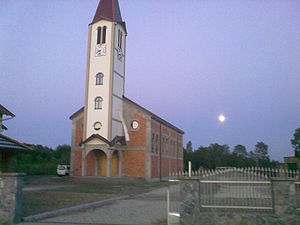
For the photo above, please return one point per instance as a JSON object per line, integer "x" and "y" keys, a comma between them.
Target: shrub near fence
{"x": 37, "y": 169}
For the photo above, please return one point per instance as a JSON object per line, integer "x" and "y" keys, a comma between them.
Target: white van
{"x": 63, "y": 170}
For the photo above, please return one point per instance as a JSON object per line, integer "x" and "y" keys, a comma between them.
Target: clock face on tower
{"x": 100, "y": 50}
{"x": 97, "y": 125}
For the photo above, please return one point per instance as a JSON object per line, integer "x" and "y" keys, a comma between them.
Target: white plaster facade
{"x": 112, "y": 89}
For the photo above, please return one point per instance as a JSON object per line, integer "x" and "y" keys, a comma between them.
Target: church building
{"x": 112, "y": 135}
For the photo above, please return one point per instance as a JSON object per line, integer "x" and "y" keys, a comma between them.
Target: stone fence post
{"x": 10, "y": 197}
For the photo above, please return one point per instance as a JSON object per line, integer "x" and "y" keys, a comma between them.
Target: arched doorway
{"x": 114, "y": 165}
{"x": 96, "y": 163}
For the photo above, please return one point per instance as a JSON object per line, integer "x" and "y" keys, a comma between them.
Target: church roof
{"x": 78, "y": 112}
{"x": 117, "y": 139}
{"x": 108, "y": 10}
{"x": 154, "y": 116}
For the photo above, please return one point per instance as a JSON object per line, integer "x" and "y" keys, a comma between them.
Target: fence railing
{"x": 231, "y": 189}
{"x": 251, "y": 171}
{"x": 233, "y": 194}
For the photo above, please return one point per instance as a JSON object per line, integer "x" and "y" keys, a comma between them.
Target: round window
{"x": 134, "y": 124}
{"x": 97, "y": 125}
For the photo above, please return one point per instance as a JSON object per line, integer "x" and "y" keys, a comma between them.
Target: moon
{"x": 222, "y": 118}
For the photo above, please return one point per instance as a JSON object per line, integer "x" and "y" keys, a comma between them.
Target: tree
{"x": 189, "y": 147}
{"x": 62, "y": 154}
{"x": 261, "y": 154}
{"x": 187, "y": 154}
{"x": 240, "y": 150}
{"x": 239, "y": 156}
{"x": 296, "y": 142}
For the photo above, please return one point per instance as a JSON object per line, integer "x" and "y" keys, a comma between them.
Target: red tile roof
{"x": 109, "y": 10}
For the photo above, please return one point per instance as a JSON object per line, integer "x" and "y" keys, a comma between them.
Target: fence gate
{"x": 236, "y": 190}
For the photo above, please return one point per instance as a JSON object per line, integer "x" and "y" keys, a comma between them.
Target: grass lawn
{"x": 78, "y": 191}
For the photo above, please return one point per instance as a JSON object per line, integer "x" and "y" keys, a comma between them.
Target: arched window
{"x": 104, "y": 35}
{"x": 99, "y": 79}
{"x": 98, "y": 35}
{"x": 98, "y": 102}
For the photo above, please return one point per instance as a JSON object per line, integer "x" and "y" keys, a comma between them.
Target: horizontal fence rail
{"x": 253, "y": 172}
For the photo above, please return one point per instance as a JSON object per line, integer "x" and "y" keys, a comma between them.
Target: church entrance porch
{"x": 104, "y": 162}
{"x": 96, "y": 163}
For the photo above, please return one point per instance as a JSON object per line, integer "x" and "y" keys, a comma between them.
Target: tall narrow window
{"x": 98, "y": 35}
{"x": 99, "y": 79}
{"x": 104, "y": 35}
{"x": 121, "y": 40}
{"x": 98, "y": 102}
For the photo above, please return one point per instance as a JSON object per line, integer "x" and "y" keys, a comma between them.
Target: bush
{"x": 41, "y": 160}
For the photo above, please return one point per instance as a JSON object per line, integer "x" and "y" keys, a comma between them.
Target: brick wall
{"x": 180, "y": 164}
{"x": 154, "y": 166}
{"x": 133, "y": 163}
{"x": 171, "y": 150}
{"x": 77, "y": 162}
{"x": 90, "y": 164}
{"x": 79, "y": 131}
{"x": 138, "y": 137}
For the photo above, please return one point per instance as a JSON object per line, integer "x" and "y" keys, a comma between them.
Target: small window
{"x": 152, "y": 142}
{"x": 104, "y": 35}
{"x": 98, "y": 103}
{"x": 157, "y": 144}
{"x": 119, "y": 39}
{"x": 98, "y": 35}
{"x": 99, "y": 79}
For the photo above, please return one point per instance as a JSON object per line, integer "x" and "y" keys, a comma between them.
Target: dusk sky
{"x": 187, "y": 61}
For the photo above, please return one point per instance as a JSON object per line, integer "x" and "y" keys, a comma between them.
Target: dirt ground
{"x": 46, "y": 193}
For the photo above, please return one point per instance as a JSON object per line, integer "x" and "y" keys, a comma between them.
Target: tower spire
{"x": 108, "y": 10}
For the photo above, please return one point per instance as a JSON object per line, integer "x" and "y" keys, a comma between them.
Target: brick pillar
{"x": 120, "y": 163}
{"x": 10, "y": 197}
{"x": 83, "y": 165}
{"x": 108, "y": 165}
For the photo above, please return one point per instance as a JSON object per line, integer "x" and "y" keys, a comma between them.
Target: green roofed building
{"x": 8, "y": 146}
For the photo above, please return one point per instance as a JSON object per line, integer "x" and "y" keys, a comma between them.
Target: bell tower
{"x": 105, "y": 72}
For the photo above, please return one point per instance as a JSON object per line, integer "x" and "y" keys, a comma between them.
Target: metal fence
{"x": 174, "y": 201}
{"x": 255, "y": 171}
{"x": 233, "y": 194}
{"x": 229, "y": 189}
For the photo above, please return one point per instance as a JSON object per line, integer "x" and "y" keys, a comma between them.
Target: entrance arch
{"x": 96, "y": 163}
{"x": 114, "y": 165}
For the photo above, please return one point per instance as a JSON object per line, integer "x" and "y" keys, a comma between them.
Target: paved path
{"x": 146, "y": 208}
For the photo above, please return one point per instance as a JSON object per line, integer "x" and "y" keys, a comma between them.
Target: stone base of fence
{"x": 10, "y": 197}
